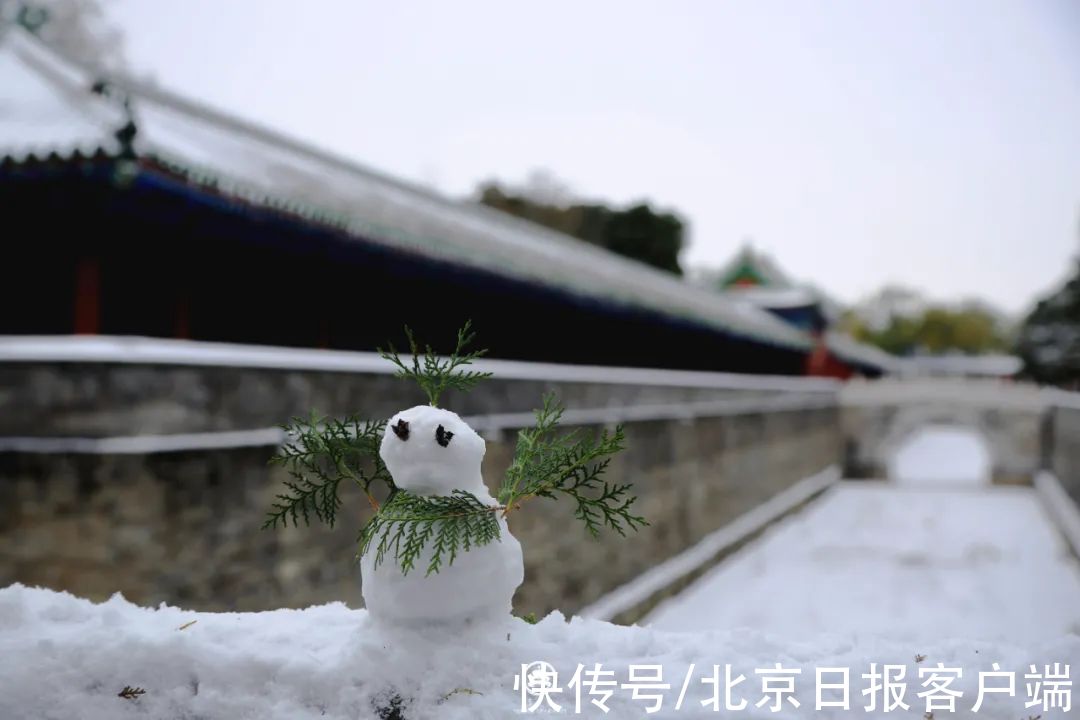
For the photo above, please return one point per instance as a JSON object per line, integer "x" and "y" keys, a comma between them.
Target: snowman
{"x": 430, "y": 451}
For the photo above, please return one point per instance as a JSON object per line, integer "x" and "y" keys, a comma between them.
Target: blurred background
{"x": 783, "y": 243}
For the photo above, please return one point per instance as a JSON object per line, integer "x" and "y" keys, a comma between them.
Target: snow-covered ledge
{"x": 1060, "y": 507}
{"x": 135, "y": 350}
{"x": 63, "y": 657}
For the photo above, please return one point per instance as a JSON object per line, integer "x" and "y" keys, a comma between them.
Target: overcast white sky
{"x": 934, "y": 144}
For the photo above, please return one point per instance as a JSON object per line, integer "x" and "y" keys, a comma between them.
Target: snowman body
{"x": 431, "y": 451}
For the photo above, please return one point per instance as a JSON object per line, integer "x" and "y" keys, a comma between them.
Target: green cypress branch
{"x": 546, "y": 465}
{"x": 321, "y": 454}
{"x": 434, "y": 375}
{"x": 407, "y": 523}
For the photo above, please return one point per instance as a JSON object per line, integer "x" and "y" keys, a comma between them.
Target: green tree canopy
{"x": 1049, "y": 338}
{"x": 639, "y": 232}
{"x": 969, "y": 329}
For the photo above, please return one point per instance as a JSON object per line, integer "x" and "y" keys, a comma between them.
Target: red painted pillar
{"x": 323, "y": 340}
{"x": 182, "y": 317}
{"x": 88, "y": 296}
{"x": 817, "y": 362}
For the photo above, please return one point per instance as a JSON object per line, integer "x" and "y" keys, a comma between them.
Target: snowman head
{"x": 431, "y": 451}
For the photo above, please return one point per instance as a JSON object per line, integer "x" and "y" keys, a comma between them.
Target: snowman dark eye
{"x": 401, "y": 429}
{"x": 443, "y": 436}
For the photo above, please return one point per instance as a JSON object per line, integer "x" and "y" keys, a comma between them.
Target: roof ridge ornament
{"x": 31, "y": 16}
{"x": 126, "y": 133}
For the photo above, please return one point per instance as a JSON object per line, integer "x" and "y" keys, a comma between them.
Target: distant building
{"x": 755, "y": 279}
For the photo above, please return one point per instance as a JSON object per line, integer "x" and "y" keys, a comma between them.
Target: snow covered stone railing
{"x": 490, "y": 426}
{"x": 150, "y": 395}
{"x": 62, "y": 657}
{"x": 1060, "y": 507}
{"x": 316, "y": 568}
{"x": 128, "y": 350}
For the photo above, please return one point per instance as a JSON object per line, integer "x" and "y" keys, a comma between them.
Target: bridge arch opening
{"x": 939, "y": 453}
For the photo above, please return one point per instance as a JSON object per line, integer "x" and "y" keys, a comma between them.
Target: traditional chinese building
{"x": 129, "y": 210}
{"x": 754, "y": 278}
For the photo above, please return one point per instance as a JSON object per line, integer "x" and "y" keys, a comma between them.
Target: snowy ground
{"x": 911, "y": 575}
{"x": 933, "y": 555}
{"x": 63, "y": 658}
{"x": 872, "y": 559}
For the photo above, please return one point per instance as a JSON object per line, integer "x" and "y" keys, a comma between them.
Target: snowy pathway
{"x": 921, "y": 561}
{"x": 886, "y": 560}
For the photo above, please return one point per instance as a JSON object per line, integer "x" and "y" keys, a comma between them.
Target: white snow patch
{"x": 942, "y": 454}
{"x": 704, "y": 552}
{"x": 873, "y": 559}
{"x": 62, "y": 657}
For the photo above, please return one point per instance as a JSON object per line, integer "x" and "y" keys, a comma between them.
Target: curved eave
{"x": 48, "y": 107}
{"x": 44, "y": 161}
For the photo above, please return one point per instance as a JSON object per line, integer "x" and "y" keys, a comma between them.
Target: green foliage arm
{"x": 572, "y": 464}
{"x": 433, "y": 374}
{"x": 320, "y": 454}
{"x": 408, "y": 523}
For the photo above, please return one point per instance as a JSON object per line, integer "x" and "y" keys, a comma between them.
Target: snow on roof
{"x": 774, "y": 297}
{"x": 46, "y": 106}
{"x": 245, "y": 160}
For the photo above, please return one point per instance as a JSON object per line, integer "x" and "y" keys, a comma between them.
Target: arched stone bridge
{"x": 878, "y": 417}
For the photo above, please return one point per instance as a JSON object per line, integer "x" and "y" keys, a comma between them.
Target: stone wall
{"x": 1062, "y": 434}
{"x": 99, "y": 399}
{"x": 183, "y": 527}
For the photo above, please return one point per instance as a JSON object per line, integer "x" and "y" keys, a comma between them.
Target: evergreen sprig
{"x": 434, "y": 374}
{"x": 408, "y": 523}
{"x": 546, "y": 464}
{"x": 321, "y": 453}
